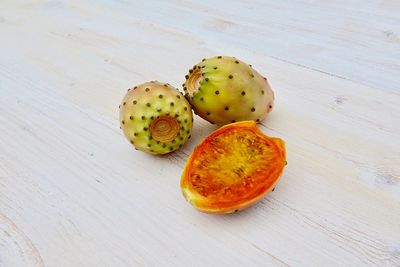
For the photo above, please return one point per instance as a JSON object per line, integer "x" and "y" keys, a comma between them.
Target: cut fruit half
{"x": 232, "y": 168}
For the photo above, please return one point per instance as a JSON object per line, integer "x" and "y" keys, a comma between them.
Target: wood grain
{"x": 74, "y": 193}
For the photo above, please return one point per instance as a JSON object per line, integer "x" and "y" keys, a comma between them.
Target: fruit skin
{"x": 224, "y": 90}
{"x": 233, "y": 168}
{"x": 155, "y": 117}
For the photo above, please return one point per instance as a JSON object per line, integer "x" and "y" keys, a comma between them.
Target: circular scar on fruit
{"x": 164, "y": 128}
{"x": 193, "y": 82}
{"x": 232, "y": 168}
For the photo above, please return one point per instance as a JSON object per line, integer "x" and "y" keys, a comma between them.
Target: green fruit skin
{"x": 230, "y": 91}
{"x": 146, "y": 102}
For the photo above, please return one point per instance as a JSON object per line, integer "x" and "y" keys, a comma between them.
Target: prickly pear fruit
{"x": 232, "y": 168}
{"x": 155, "y": 117}
{"x": 224, "y": 89}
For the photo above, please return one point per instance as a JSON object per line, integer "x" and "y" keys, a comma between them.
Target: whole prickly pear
{"x": 155, "y": 117}
{"x": 224, "y": 89}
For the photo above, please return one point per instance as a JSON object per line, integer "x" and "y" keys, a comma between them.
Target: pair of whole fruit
{"x": 234, "y": 166}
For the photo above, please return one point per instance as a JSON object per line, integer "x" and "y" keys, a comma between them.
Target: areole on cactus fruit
{"x": 155, "y": 117}
{"x": 224, "y": 90}
{"x": 232, "y": 168}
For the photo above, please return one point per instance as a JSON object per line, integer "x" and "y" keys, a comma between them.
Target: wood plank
{"x": 74, "y": 193}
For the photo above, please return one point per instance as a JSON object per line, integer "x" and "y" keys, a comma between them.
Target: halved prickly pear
{"x": 224, "y": 89}
{"x": 155, "y": 117}
{"x": 232, "y": 168}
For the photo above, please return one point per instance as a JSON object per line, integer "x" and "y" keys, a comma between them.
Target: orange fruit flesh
{"x": 232, "y": 168}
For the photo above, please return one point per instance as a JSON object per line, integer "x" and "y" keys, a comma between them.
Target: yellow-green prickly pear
{"x": 155, "y": 117}
{"x": 224, "y": 89}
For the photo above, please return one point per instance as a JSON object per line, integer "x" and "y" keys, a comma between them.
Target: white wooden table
{"x": 73, "y": 192}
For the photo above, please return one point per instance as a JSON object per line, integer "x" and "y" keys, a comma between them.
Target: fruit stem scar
{"x": 193, "y": 81}
{"x": 164, "y": 128}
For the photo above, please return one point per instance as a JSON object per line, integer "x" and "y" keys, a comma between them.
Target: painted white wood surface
{"x": 74, "y": 193}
